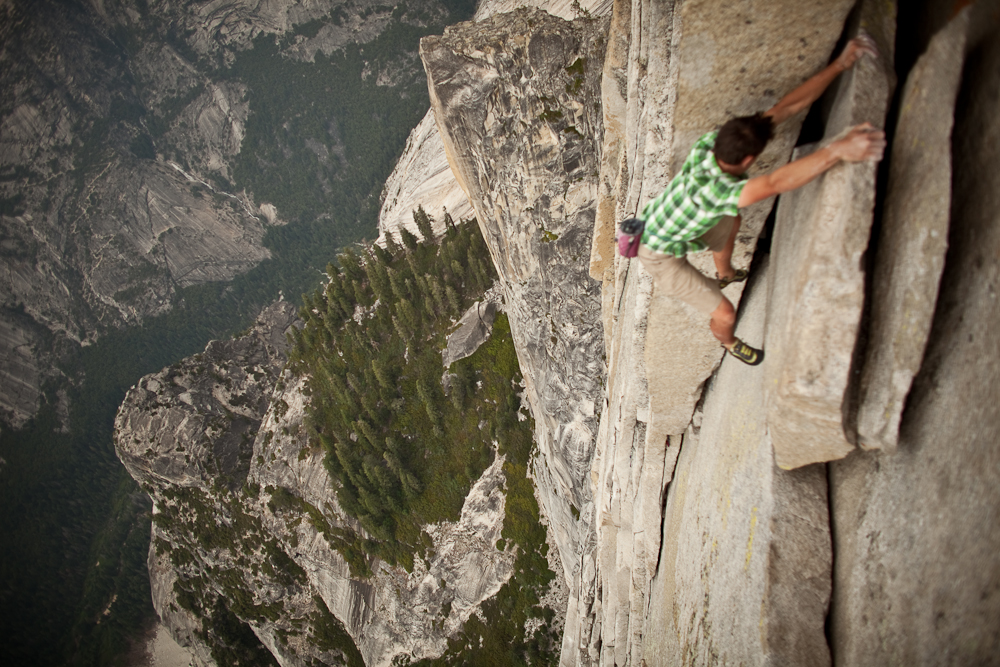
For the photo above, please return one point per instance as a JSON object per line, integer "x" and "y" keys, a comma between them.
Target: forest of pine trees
{"x": 402, "y": 453}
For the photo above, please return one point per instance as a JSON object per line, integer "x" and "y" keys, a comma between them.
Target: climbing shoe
{"x": 748, "y": 355}
{"x": 741, "y": 275}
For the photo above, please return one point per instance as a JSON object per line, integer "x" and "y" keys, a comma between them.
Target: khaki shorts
{"x": 677, "y": 278}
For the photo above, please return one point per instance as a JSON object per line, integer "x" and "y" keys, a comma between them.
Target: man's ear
{"x": 747, "y": 161}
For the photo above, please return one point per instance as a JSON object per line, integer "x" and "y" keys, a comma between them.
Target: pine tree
{"x": 351, "y": 265}
{"x": 457, "y": 269}
{"x": 390, "y": 245}
{"x": 382, "y": 254}
{"x": 456, "y": 306}
{"x": 409, "y": 240}
{"x": 382, "y": 374}
{"x": 397, "y": 284}
{"x": 378, "y": 279}
{"x": 401, "y": 330}
{"x": 424, "y": 224}
{"x": 407, "y": 317}
{"x": 437, "y": 293}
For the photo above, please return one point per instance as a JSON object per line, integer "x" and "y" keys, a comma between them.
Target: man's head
{"x": 741, "y": 140}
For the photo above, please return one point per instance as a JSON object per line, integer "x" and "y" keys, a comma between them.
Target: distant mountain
{"x": 166, "y": 170}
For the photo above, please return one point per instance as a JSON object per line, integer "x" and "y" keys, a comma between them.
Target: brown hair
{"x": 740, "y": 137}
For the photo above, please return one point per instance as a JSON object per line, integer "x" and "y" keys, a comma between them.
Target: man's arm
{"x": 863, "y": 142}
{"x": 809, "y": 92}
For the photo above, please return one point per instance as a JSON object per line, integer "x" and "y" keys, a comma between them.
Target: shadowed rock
{"x": 914, "y": 237}
{"x": 917, "y": 578}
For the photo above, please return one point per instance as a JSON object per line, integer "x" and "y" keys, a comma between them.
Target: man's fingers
{"x": 858, "y": 47}
{"x": 866, "y": 143}
{"x": 867, "y": 45}
{"x": 876, "y": 145}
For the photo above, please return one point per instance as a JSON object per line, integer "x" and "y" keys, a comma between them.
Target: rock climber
{"x": 700, "y": 208}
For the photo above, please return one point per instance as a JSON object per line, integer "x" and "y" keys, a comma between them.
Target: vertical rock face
{"x": 916, "y": 531}
{"x": 515, "y": 98}
{"x": 914, "y": 236}
{"x": 744, "y": 572}
{"x": 679, "y": 70}
{"x": 817, "y": 297}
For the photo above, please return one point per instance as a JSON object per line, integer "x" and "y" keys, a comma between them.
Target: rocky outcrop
{"x": 913, "y": 237}
{"x": 513, "y": 96}
{"x": 245, "y": 511}
{"x": 422, "y": 176}
{"x": 565, "y": 9}
{"x": 472, "y": 330}
{"x": 821, "y": 233}
{"x": 421, "y": 179}
{"x": 185, "y": 434}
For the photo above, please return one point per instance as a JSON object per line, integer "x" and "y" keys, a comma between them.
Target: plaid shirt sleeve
{"x": 694, "y": 202}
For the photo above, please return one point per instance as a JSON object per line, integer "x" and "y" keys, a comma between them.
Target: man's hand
{"x": 863, "y": 142}
{"x": 856, "y": 48}
{"x": 809, "y": 92}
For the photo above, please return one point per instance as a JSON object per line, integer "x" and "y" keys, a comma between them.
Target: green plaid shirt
{"x": 694, "y": 202}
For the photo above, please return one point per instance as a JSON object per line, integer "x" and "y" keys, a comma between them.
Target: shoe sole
{"x": 740, "y": 276}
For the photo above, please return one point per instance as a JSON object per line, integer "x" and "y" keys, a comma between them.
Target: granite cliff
{"x": 833, "y": 506}
{"x": 211, "y": 439}
{"x": 750, "y": 515}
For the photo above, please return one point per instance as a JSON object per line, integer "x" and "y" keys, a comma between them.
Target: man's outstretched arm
{"x": 809, "y": 92}
{"x": 863, "y": 142}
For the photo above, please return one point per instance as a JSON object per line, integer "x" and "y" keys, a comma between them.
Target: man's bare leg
{"x": 723, "y": 322}
{"x": 724, "y": 258}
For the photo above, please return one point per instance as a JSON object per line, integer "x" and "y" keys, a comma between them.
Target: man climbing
{"x": 700, "y": 208}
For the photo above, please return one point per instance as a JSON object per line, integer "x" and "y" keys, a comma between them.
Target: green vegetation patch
{"x": 497, "y": 635}
{"x": 404, "y": 453}
{"x": 401, "y": 451}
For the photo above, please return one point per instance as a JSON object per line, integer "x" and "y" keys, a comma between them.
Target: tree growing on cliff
{"x": 401, "y": 454}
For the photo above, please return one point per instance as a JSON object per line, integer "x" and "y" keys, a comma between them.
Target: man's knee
{"x": 724, "y": 314}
